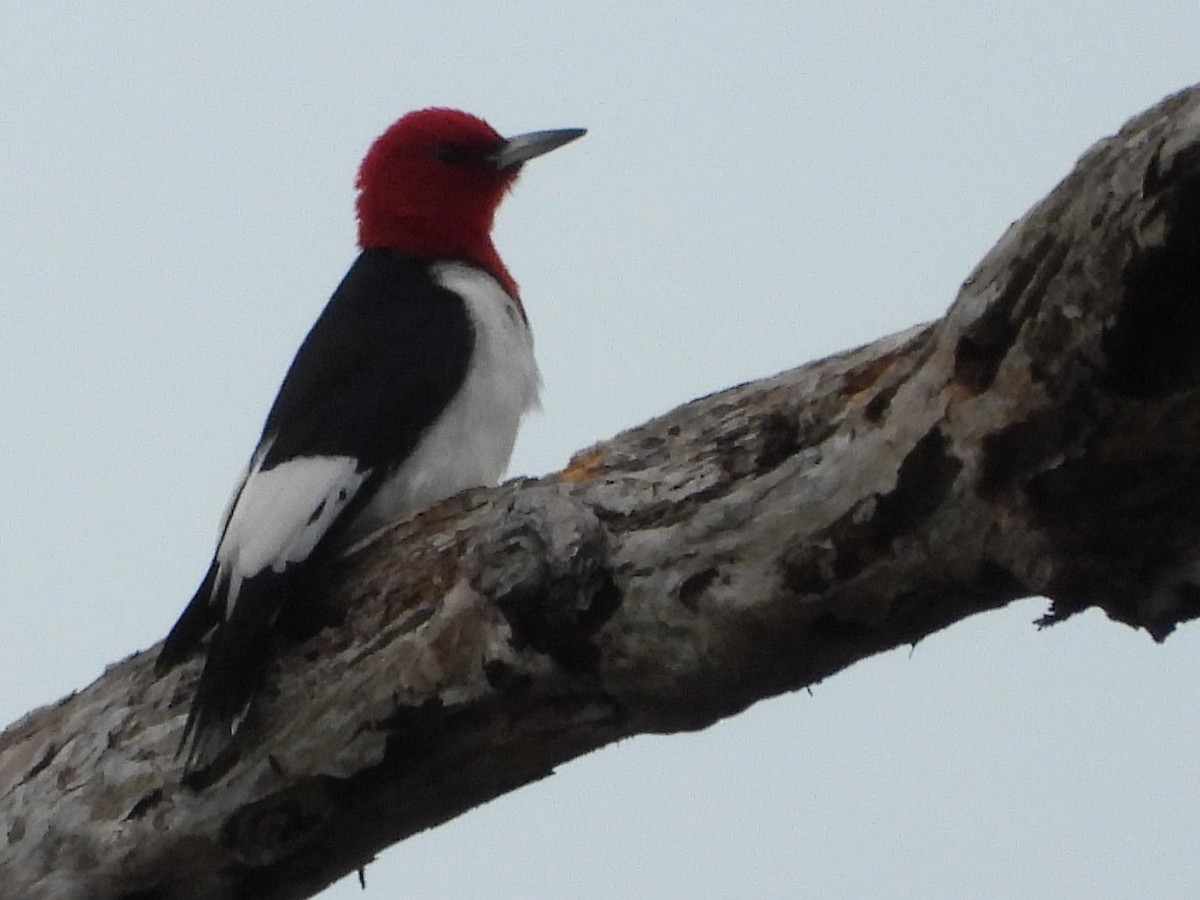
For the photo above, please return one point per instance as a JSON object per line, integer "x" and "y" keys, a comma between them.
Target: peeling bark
{"x": 1042, "y": 438}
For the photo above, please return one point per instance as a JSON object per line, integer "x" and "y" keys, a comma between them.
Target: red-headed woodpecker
{"x": 409, "y": 388}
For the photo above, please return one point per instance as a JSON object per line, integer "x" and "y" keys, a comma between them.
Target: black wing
{"x": 385, "y": 357}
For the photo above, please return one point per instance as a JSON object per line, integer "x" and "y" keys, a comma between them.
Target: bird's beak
{"x": 524, "y": 147}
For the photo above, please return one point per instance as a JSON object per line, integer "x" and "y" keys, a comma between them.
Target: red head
{"x": 430, "y": 186}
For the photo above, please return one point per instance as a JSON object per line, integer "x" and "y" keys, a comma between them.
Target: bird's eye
{"x": 456, "y": 154}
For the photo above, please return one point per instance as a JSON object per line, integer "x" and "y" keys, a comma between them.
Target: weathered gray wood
{"x": 1042, "y": 438}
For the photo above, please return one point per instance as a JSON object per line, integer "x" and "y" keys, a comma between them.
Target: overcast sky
{"x": 762, "y": 185}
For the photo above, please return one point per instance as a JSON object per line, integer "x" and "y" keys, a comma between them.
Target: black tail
{"x": 233, "y": 672}
{"x": 235, "y": 662}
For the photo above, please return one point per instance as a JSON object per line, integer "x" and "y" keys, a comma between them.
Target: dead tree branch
{"x": 1042, "y": 438}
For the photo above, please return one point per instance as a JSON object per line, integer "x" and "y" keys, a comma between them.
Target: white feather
{"x": 279, "y": 515}
{"x": 471, "y": 442}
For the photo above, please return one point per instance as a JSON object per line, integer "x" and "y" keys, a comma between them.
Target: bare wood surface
{"x": 1042, "y": 438}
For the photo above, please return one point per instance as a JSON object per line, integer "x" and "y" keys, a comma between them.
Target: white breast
{"x": 471, "y": 442}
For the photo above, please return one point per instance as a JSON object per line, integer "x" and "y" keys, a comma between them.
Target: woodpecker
{"x": 408, "y": 388}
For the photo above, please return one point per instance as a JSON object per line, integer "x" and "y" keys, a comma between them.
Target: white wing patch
{"x": 279, "y": 515}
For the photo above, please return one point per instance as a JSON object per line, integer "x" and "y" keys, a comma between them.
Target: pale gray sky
{"x": 762, "y": 185}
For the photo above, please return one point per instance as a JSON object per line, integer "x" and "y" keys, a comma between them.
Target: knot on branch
{"x": 545, "y": 565}
{"x": 261, "y": 833}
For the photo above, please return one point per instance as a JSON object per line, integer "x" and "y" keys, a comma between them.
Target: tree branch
{"x": 1042, "y": 438}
